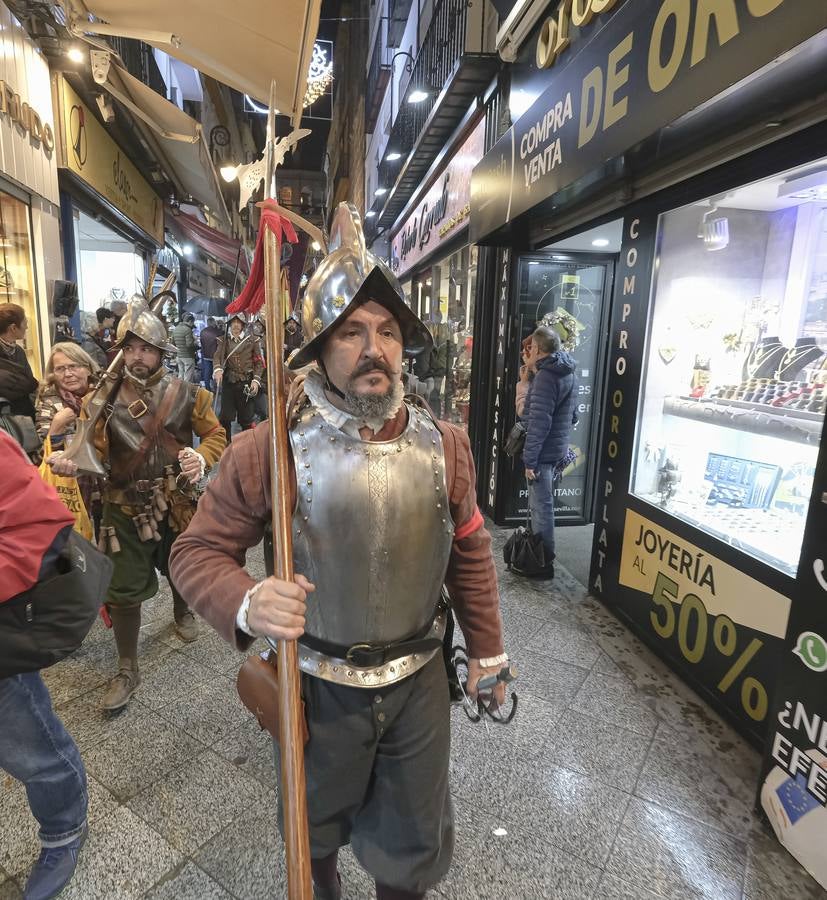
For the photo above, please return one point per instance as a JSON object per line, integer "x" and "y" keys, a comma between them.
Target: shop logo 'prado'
{"x": 77, "y": 133}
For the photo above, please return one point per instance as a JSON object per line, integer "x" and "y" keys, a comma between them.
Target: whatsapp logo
{"x": 811, "y": 649}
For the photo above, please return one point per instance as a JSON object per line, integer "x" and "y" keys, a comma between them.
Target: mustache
{"x": 373, "y": 365}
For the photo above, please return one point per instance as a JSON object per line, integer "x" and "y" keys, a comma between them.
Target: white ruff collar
{"x": 340, "y": 418}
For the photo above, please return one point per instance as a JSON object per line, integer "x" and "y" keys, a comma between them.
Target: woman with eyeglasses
{"x": 70, "y": 375}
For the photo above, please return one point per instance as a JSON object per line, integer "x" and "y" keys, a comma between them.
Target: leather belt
{"x": 366, "y": 655}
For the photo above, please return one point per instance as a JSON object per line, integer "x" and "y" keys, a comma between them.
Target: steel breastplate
{"x": 126, "y": 435}
{"x": 372, "y": 530}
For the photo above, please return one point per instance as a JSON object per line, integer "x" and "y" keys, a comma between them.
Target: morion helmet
{"x": 347, "y": 277}
{"x": 139, "y": 320}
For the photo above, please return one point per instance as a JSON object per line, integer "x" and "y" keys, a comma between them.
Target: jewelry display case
{"x": 735, "y": 372}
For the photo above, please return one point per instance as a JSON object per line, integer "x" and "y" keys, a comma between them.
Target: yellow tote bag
{"x": 68, "y": 491}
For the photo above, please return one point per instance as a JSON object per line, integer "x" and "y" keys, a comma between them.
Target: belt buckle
{"x": 140, "y": 408}
{"x": 361, "y": 648}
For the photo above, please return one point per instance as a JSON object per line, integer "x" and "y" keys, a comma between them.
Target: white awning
{"x": 244, "y": 43}
{"x": 179, "y": 137}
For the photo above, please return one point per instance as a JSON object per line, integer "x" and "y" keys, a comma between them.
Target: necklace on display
{"x": 795, "y": 359}
{"x": 759, "y": 357}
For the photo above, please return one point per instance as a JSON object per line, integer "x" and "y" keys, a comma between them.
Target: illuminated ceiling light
{"x": 370, "y": 214}
{"x": 380, "y": 192}
{"x": 418, "y": 96}
{"x": 393, "y": 156}
{"x": 534, "y": 262}
{"x": 187, "y": 249}
{"x": 76, "y": 54}
{"x": 600, "y": 242}
{"x": 229, "y": 173}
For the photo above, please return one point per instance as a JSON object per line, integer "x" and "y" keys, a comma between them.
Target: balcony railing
{"x": 398, "y": 11}
{"x": 139, "y": 61}
{"x": 445, "y": 42}
{"x": 377, "y": 81}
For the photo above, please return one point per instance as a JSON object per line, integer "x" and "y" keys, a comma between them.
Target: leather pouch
{"x": 257, "y": 686}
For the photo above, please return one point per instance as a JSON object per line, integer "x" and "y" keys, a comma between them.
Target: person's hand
{"x": 524, "y": 373}
{"x": 217, "y": 376}
{"x": 190, "y": 462}
{"x": 61, "y": 466}
{"x": 530, "y": 474}
{"x": 277, "y": 608}
{"x": 61, "y": 420}
{"x": 475, "y": 672}
{"x": 253, "y": 389}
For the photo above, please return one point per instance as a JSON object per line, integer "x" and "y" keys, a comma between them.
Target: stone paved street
{"x": 614, "y": 781}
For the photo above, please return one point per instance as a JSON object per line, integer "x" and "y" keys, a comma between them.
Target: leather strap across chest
{"x": 151, "y": 422}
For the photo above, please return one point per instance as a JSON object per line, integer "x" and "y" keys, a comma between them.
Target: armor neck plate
{"x": 372, "y": 530}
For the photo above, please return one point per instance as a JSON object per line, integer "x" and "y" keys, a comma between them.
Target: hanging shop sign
{"x": 647, "y": 66}
{"x": 90, "y": 153}
{"x": 444, "y": 209}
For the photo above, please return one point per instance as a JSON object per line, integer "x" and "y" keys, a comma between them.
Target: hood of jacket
{"x": 561, "y": 363}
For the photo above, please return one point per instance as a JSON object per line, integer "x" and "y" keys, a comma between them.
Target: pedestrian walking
{"x": 183, "y": 337}
{"x": 17, "y": 382}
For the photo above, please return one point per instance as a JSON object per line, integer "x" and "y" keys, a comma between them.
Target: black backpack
{"x": 48, "y": 622}
{"x": 20, "y": 429}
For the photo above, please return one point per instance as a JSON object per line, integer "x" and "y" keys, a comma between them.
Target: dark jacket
{"x": 549, "y": 410}
{"x": 17, "y": 383}
{"x": 209, "y": 339}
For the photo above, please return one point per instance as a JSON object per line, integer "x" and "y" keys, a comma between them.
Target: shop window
{"x": 735, "y": 376}
{"x": 16, "y": 275}
{"x": 443, "y": 297}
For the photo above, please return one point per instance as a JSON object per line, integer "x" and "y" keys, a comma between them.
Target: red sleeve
{"x": 471, "y": 578}
{"x": 31, "y": 515}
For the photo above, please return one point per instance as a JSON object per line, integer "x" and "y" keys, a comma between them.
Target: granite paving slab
{"x": 188, "y": 883}
{"x": 569, "y": 643}
{"x": 616, "y": 701}
{"x": 250, "y": 749}
{"x": 209, "y": 711}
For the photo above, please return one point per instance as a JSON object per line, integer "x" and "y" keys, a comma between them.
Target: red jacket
{"x": 31, "y": 515}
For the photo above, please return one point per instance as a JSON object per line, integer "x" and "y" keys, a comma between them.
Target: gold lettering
{"x": 48, "y": 138}
{"x": 615, "y": 429}
{"x": 760, "y": 8}
{"x": 726, "y": 25}
{"x": 582, "y": 12}
{"x": 661, "y": 76}
{"x": 592, "y": 86}
{"x": 545, "y": 44}
{"x": 563, "y": 39}
{"x": 629, "y": 284}
{"x": 601, "y": 6}
{"x": 615, "y": 79}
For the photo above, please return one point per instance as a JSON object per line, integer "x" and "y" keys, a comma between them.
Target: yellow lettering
{"x": 760, "y": 8}
{"x": 546, "y": 43}
{"x": 615, "y": 425}
{"x": 581, "y": 12}
{"x": 661, "y": 76}
{"x": 726, "y": 24}
{"x": 614, "y": 111}
{"x": 592, "y": 87}
{"x": 601, "y": 6}
{"x": 563, "y": 39}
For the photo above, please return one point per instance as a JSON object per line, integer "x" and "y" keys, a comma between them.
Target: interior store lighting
{"x": 75, "y": 54}
{"x": 370, "y": 214}
{"x": 393, "y": 156}
{"x": 600, "y": 242}
{"x": 380, "y": 192}
{"x": 812, "y": 186}
{"x": 187, "y": 249}
{"x": 418, "y": 96}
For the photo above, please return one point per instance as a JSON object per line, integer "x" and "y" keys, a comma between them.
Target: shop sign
{"x": 91, "y": 154}
{"x": 649, "y": 64}
{"x": 19, "y": 112}
{"x": 498, "y": 382}
{"x": 444, "y": 209}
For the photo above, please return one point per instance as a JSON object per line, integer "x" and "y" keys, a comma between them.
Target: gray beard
{"x": 375, "y": 407}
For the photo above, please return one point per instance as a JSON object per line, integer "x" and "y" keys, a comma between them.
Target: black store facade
{"x": 694, "y": 133}
{"x": 431, "y": 255}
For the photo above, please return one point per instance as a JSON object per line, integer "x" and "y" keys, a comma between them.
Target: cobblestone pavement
{"x": 614, "y": 781}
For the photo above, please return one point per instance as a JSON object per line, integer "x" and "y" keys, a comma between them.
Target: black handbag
{"x": 49, "y": 621}
{"x": 515, "y": 441}
{"x": 525, "y": 553}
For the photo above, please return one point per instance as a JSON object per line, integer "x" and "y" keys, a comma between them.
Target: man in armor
{"x": 385, "y": 514}
{"x": 238, "y": 365}
{"x": 149, "y": 496}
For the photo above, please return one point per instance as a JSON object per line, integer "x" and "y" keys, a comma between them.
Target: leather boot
{"x": 122, "y": 686}
{"x": 384, "y": 892}
{"x": 327, "y": 883}
{"x": 186, "y": 627}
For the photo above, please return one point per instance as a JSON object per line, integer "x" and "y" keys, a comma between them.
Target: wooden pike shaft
{"x": 294, "y": 791}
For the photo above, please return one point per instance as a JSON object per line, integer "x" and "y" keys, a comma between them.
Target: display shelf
{"x": 797, "y": 425}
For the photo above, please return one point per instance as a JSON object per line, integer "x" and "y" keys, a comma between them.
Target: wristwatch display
{"x": 735, "y": 384}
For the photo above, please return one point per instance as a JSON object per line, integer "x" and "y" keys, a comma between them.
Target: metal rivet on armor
{"x": 308, "y": 498}
{"x": 377, "y": 698}
{"x": 404, "y": 662}
{"x": 392, "y": 670}
{"x": 443, "y": 521}
{"x": 299, "y": 531}
{"x": 307, "y": 465}
{"x": 399, "y": 448}
{"x": 413, "y": 656}
{"x": 350, "y": 673}
{"x": 304, "y": 449}
{"x": 332, "y": 439}
{"x": 301, "y": 434}
{"x": 305, "y": 659}
{"x": 381, "y": 731}
{"x": 306, "y": 518}
{"x": 381, "y": 717}
{"x": 335, "y": 668}
{"x": 310, "y": 481}
{"x": 347, "y": 449}
{"x": 439, "y": 506}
